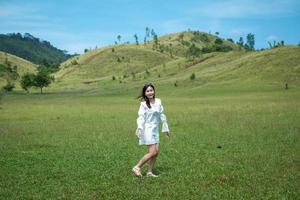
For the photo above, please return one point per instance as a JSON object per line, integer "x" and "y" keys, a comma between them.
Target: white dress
{"x": 148, "y": 121}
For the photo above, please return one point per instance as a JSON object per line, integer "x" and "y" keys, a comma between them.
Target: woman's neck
{"x": 152, "y": 100}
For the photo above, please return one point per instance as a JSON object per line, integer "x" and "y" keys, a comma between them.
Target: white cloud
{"x": 9, "y": 10}
{"x": 272, "y": 38}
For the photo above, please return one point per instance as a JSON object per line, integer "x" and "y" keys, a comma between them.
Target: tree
{"x": 217, "y": 33}
{"x": 136, "y": 39}
{"x": 240, "y": 42}
{"x": 193, "y": 51}
{"x": 27, "y": 81}
{"x": 43, "y": 78}
{"x": 155, "y": 39}
{"x": 153, "y": 33}
{"x": 250, "y": 42}
{"x": 119, "y": 38}
{"x": 274, "y": 45}
{"x": 147, "y": 32}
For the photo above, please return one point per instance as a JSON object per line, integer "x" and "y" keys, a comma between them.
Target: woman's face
{"x": 149, "y": 92}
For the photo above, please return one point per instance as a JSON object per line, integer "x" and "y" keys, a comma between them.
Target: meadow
{"x": 224, "y": 145}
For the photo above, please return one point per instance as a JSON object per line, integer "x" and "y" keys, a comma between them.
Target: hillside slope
{"x": 239, "y": 69}
{"x": 23, "y": 65}
{"x": 128, "y": 59}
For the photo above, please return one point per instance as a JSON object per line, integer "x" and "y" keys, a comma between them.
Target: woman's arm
{"x": 140, "y": 120}
{"x": 163, "y": 118}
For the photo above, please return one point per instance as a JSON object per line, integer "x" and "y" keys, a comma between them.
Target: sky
{"x": 77, "y": 25}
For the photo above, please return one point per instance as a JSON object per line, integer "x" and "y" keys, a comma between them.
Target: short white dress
{"x": 148, "y": 121}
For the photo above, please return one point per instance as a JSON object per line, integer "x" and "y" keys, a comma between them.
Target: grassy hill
{"x": 181, "y": 41}
{"x": 131, "y": 62}
{"x": 23, "y": 65}
{"x": 125, "y": 67}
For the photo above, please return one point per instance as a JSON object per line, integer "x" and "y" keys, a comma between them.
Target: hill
{"x": 127, "y": 66}
{"x": 31, "y": 48}
{"x": 21, "y": 64}
{"x": 129, "y": 59}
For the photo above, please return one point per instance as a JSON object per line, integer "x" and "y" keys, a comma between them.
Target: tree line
{"x": 32, "y": 48}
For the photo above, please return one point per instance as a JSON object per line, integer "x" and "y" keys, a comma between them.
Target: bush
{"x": 185, "y": 43}
{"x": 206, "y": 50}
{"x": 218, "y": 41}
{"x": 74, "y": 62}
{"x": 221, "y": 48}
{"x": 197, "y": 37}
{"x": 27, "y": 81}
{"x": 8, "y": 87}
{"x": 193, "y": 76}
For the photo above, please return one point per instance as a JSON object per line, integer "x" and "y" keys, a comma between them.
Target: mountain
{"x": 31, "y": 48}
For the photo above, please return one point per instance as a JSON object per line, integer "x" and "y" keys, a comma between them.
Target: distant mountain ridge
{"x": 31, "y": 48}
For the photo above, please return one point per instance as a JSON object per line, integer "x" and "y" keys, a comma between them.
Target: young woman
{"x": 149, "y": 115}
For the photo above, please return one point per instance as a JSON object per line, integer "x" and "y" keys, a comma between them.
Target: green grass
{"x": 82, "y": 145}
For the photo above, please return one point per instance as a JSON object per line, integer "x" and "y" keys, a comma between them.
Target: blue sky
{"x": 76, "y": 25}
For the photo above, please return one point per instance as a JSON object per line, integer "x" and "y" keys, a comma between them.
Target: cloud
{"x": 28, "y": 17}
{"x": 272, "y": 38}
{"x": 9, "y": 10}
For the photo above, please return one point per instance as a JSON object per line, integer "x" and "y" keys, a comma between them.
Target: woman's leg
{"x": 152, "y": 152}
{"x": 151, "y": 161}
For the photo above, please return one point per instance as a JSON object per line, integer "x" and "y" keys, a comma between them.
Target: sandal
{"x": 150, "y": 174}
{"x": 136, "y": 170}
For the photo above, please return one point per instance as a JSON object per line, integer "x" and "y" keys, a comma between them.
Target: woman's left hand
{"x": 168, "y": 135}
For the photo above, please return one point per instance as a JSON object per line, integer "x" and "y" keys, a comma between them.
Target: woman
{"x": 149, "y": 115}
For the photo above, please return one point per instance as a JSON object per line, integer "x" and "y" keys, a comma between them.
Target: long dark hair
{"x": 143, "y": 97}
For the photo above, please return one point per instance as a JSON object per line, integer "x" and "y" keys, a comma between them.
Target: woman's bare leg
{"x": 153, "y": 151}
{"x": 151, "y": 161}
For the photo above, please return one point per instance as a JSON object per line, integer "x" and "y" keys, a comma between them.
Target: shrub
{"x": 8, "y": 87}
{"x": 218, "y": 41}
{"x": 74, "y": 62}
{"x": 193, "y": 76}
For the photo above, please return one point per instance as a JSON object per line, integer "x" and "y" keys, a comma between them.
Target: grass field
{"x": 239, "y": 145}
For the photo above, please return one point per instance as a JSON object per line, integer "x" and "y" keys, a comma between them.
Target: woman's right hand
{"x": 138, "y": 133}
